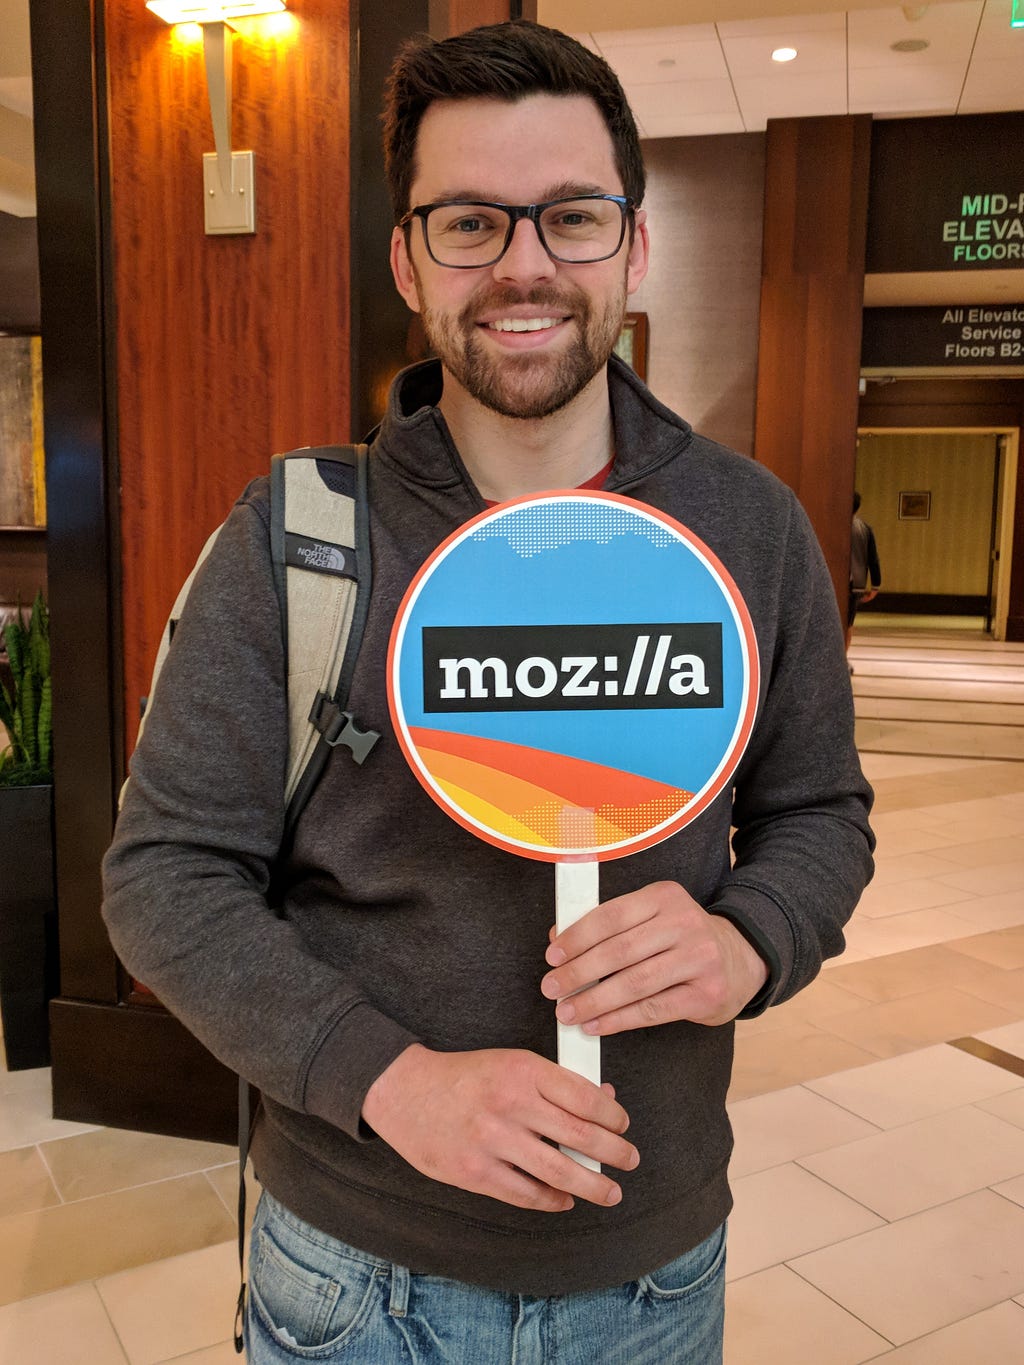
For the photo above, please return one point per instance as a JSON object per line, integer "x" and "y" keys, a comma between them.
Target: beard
{"x": 532, "y": 384}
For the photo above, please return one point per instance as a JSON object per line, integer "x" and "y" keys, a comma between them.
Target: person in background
{"x": 399, "y": 1017}
{"x": 865, "y": 570}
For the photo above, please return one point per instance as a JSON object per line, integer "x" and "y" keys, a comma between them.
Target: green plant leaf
{"x": 27, "y": 710}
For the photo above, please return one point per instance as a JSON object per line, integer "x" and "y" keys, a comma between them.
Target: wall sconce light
{"x": 229, "y": 196}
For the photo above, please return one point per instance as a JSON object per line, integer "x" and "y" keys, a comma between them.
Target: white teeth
{"x": 523, "y": 324}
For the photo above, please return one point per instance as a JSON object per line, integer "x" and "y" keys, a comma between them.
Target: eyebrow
{"x": 566, "y": 189}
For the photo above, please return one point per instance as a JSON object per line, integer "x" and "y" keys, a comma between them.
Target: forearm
{"x": 244, "y": 981}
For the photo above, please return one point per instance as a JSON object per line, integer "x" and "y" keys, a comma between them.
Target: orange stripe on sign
{"x": 575, "y": 780}
{"x": 547, "y": 814}
{"x": 510, "y": 794}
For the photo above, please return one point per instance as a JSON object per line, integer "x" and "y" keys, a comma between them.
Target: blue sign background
{"x": 575, "y": 558}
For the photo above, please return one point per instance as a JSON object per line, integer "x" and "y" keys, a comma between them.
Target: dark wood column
{"x": 174, "y": 363}
{"x": 812, "y": 292}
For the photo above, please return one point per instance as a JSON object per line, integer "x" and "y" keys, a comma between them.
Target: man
{"x": 400, "y": 1019}
{"x": 864, "y": 568}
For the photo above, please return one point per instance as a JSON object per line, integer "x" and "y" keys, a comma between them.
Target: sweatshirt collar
{"x": 415, "y": 435}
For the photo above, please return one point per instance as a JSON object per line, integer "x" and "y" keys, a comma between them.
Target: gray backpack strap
{"x": 320, "y": 529}
{"x": 320, "y": 548}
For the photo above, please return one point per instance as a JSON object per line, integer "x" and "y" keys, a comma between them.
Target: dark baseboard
{"x": 926, "y": 604}
{"x": 139, "y": 1068}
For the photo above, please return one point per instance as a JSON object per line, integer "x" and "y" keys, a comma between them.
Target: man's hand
{"x": 655, "y": 956}
{"x": 485, "y": 1121}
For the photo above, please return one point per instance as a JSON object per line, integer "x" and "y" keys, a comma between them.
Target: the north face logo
{"x": 319, "y": 555}
{"x": 316, "y": 556}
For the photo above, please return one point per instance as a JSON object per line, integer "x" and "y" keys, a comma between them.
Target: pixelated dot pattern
{"x": 533, "y": 529}
{"x": 562, "y": 826}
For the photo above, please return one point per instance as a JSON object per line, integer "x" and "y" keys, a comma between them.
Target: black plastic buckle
{"x": 341, "y": 728}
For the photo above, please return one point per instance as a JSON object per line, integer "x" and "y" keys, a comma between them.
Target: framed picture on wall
{"x": 22, "y": 485}
{"x": 915, "y": 506}
{"x": 632, "y": 343}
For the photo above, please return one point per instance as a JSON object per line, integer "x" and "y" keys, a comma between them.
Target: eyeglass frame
{"x": 516, "y": 212}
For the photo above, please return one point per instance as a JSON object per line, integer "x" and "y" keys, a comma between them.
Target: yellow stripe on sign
{"x": 490, "y": 816}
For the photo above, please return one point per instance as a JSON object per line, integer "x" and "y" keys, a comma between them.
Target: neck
{"x": 510, "y": 457}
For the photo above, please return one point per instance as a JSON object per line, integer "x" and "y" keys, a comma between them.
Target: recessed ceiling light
{"x": 910, "y": 45}
{"x": 783, "y": 54}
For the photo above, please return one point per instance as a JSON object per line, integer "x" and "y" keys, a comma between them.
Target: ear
{"x": 639, "y": 253}
{"x": 401, "y": 269}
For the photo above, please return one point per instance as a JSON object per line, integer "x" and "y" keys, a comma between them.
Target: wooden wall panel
{"x": 705, "y": 199}
{"x": 19, "y": 274}
{"x": 22, "y": 566}
{"x": 815, "y": 225}
{"x": 448, "y": 17}
{"x": 228, "y": 348}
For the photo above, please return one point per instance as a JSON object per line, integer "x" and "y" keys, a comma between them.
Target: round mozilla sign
{"x": 573, "y": 676}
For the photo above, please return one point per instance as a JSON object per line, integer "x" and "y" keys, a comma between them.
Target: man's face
{"x": 542, "y": 147}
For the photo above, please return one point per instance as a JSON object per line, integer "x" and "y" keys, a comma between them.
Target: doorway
{"x": 941, "y": 503}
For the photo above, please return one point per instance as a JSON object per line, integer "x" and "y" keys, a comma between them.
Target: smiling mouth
{"x": 522, "y": 324}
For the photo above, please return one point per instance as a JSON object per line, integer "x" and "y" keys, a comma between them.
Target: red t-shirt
{"x": 596, "y": 481}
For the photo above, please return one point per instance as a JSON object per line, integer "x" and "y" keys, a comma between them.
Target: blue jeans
{"x": 314, "y": 1298}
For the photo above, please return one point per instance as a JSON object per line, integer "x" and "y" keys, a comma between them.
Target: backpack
{"x": 320, "y": 553}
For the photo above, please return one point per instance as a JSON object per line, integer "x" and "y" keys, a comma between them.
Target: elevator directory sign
{"x": 573, "y": 676}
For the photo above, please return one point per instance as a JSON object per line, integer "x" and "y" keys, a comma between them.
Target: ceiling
{"x": 695, "y": 67}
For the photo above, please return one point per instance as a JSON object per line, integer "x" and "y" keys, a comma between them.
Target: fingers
{"x": 558, "y": 1172}
{"x": 668, "y": 1006}
{"x": 653, "y": 991}
{"x": 501, "y": 1180}
{"x": 647, "y": 958}
{"x": 576, "y": 1096}
{"x": 605, "y": 920}
{"x": 604, "y": 1145}
{"x": 510, "y": 1151}
{"x": 630, "y": 934}
{"x": 617, "y": 933}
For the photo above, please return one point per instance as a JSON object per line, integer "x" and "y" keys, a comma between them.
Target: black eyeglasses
{"x": 466, "y": 235}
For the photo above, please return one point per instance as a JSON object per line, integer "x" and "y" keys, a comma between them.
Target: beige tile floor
{"x": 878, "y": 1172}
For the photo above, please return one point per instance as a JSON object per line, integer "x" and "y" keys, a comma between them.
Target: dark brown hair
{"x": 500, "y": 61}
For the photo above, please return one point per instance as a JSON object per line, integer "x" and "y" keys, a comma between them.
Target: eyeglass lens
{"x": 573, "y": 230}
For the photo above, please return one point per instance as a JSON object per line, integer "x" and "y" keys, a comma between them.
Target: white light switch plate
{"x": 234, "y": 212}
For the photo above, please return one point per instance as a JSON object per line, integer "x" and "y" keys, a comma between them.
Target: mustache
{"x": 491, "y": 297}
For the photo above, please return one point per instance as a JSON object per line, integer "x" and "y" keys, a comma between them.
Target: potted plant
{"x": 28, "y": 917}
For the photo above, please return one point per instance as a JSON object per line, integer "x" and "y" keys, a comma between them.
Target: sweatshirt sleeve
{"x": 186, "y": 878}
{"x": 802, "y": 842}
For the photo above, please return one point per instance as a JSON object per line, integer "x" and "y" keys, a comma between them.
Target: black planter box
{"x": 29, "y": 967}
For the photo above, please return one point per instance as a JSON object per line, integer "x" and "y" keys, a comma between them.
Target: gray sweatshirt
{"x": 401, "y": 926}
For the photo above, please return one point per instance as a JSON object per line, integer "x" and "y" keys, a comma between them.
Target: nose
{"x": 525, "y": 261}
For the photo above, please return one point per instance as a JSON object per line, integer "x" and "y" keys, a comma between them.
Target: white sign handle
{"x": 576, "y": 892}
